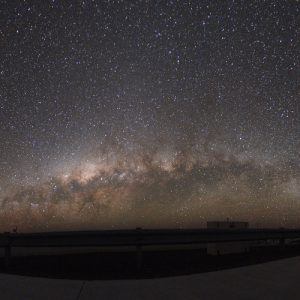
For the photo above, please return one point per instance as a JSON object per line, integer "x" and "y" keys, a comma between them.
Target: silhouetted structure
{"x": 228, "y": 247}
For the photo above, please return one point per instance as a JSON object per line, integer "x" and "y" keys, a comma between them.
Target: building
{"x": 227, "y": 225}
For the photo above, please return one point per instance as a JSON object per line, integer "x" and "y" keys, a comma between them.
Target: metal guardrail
{"x": 140, "y": 237}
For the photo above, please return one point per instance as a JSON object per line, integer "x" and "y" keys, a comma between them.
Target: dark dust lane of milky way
{"x": 117, "y": 114}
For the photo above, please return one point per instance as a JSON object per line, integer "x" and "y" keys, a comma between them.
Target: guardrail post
{"x": 7, "y": 250}
{"x": 139, "y": 250}
{"x": 282, "y": 243}
{"x": 139, "y": 257}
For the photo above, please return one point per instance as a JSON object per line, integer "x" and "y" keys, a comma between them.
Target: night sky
{"x": 118, "y": 114}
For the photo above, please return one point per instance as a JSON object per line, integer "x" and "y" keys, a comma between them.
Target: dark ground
{"x": 122, "y": 265}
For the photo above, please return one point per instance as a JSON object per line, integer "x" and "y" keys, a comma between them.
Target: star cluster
{"x": 117, "y": 114}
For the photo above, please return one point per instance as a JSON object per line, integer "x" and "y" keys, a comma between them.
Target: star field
{"x": 118, "y": 114}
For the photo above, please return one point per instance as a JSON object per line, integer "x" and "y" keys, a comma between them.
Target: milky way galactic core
{"x": 155, "y": 114}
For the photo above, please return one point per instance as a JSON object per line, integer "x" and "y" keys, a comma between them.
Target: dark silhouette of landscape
{"x": 141, "y": 253}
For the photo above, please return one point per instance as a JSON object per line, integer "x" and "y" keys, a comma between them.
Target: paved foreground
{"x": 273, "y": 280}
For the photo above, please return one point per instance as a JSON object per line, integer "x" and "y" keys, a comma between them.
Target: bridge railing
{"x": 139, "y": 238}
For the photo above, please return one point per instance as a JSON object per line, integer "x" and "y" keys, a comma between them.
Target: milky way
{"x": 118, "y": 114}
